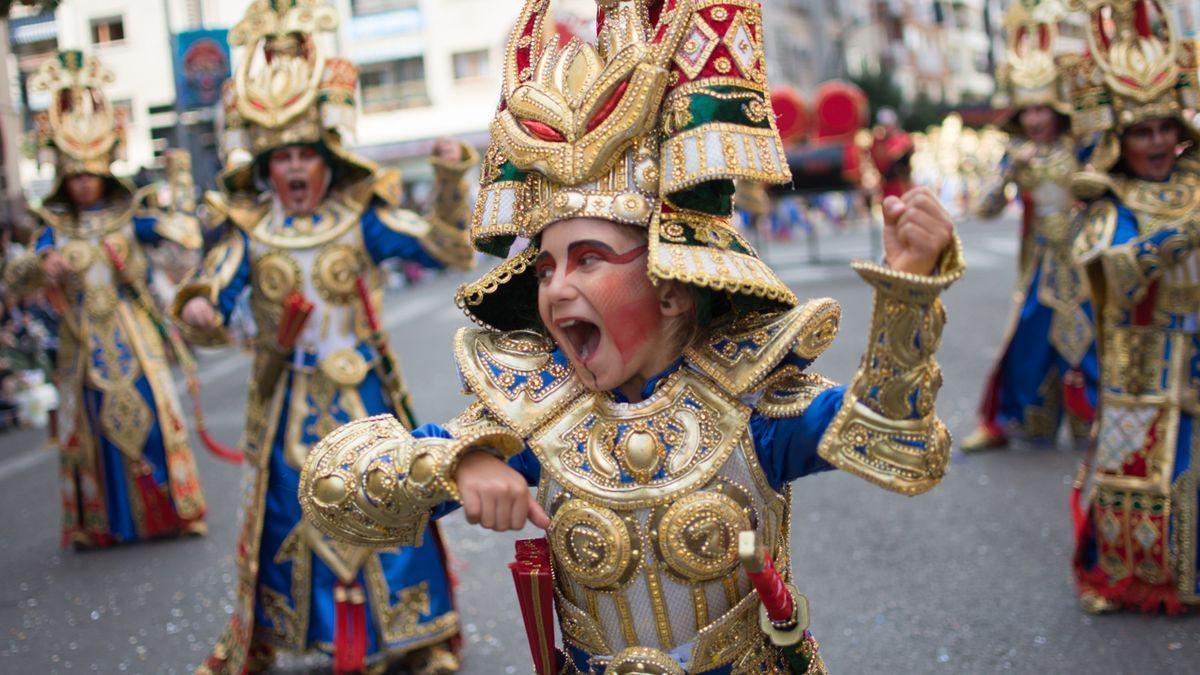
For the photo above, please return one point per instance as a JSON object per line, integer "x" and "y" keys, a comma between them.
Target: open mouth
{"x": 583, "y": 336}
{"x": 297, "y": 190}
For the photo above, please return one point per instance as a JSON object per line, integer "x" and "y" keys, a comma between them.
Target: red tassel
{"x": 218, "y": 449}
{"x": 350, "y": 628}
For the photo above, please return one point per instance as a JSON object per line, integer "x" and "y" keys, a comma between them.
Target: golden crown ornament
{"x": 1029, "y": 75}
{"x": 1137, "y": 69}
{"x": 80, "y": 132}
{"x": 288, "y": 89}
{"x": 649, "y": 125}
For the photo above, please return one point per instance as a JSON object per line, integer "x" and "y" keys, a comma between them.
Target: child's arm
{"x": 885, "y": 429}
{"x": 373, "y": 483}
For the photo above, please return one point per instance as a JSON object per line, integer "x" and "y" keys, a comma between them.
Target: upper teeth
{"x": 568, "y": 323}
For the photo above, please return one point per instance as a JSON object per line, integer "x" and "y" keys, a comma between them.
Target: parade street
{"x": 973, "y": 577}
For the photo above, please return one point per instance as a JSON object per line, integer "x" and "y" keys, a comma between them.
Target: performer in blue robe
{"x": 306, "y": 224}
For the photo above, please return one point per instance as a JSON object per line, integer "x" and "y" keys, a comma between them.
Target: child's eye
{"x": 589, "y": 259}
{"x": 543, "y": 273}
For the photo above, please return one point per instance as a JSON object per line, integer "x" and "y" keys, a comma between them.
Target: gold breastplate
{"x": 646, "y": 503}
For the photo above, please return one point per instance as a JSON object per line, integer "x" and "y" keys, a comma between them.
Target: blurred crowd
{"x": 28, "y": 349}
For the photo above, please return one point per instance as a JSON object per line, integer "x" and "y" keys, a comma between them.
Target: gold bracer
{"x": 887, "y": 431}
{"x": 370, "y": 483}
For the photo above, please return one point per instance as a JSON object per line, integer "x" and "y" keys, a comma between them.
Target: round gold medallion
{"x": 79, "y": 255}
{"x": 594, "y": 546}
{"x": 275, "y": 275}
{"x": 697, "y": 535}
{"x": 334, "y": 273}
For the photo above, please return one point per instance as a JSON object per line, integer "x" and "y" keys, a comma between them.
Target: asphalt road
{"x": 971, "y": 578}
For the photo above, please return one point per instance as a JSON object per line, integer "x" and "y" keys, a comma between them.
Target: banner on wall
{"x": 201, "y": 67}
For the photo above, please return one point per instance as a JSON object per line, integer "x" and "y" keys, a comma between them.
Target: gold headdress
{"x": 288, "y": 90}
{"x": 1029, "y": 75}
{"x": 1138, "y": 69}
{"x": 650, "y": 126}
{"x": 80, "y": 132}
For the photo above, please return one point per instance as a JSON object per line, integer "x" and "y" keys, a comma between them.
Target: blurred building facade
{"x": 427, "y": 68}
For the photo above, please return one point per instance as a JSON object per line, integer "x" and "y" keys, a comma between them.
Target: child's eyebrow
{"x": 543, "y": 257}
{"x": 590, "y": 243}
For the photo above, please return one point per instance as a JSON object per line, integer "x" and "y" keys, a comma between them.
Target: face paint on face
{"x": 597, "y": 301}
{"x": 298, "y": 175}
{"x": 1148, "y": 149}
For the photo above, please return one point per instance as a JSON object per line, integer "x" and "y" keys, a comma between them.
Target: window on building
{"x": 471, "y": 65}
{"x": 107, "y": 30}
{"x": 368, "y": 7}
{"x": 391, "y": 85}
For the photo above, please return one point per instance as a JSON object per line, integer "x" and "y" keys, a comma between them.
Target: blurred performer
{"x": 642, "y": 366}
{"x": 1048, "y": 364}
{"x": 891, "y": 152}
{"x": 306, "y": 224}
{"x": 1137, "y": 538}
{"x": 127, "y": 471}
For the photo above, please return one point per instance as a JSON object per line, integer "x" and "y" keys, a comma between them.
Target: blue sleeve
{"x": 1127, "y": 226}
{"x": 383, "y": 242}
{"x": 787, "y": 447}
{"x": 45, "y": 240}
{"x": 143, "y": 229}
{"x": 525, "y": 462}
{"x": 228, "y": 296}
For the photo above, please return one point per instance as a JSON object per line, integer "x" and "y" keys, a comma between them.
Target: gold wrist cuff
{"x": 919, "y": 289}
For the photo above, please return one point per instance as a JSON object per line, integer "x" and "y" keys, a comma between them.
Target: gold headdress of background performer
{"x": 1029, "y": 75}
{"x": 288, "y": 90}
{"x": 649, "y": 126}
{"x": 1138, "y": 69}
{"x": 80, "y": 132}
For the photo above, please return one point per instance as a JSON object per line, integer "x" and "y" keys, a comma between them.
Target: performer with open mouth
{"x": 640, "y": 364}
{"x": 1136, "y": 525}
{"x": 306, "y": 224}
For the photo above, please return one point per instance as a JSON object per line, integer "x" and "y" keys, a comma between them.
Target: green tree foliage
{"x": 881, "y": 91}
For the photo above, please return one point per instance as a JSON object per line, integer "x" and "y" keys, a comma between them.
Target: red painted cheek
{"x": 628, "y": 306}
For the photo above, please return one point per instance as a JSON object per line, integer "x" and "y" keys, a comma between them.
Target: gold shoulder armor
{"x": 370, "y": 483}
{"x": 740, "y": 354}
{"x": 388, "y": 187}
{"x": 519, "y": 376}
{"x": 24, "y": 275}
{"x": 215, "y": 209}
{"x": 1088, "y": 185}
{"x": 1096, "y": 232}
{"x": 788, "y": 391}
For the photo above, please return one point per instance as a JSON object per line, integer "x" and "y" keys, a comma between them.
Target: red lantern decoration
{"x": 841, "y": 110}
{"x": 791, "y": 117}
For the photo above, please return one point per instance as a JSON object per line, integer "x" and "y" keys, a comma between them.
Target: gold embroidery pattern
{"x": 886, "y": 430}
{"x": 738, "y": 356}
{"x": 698, "y": 425}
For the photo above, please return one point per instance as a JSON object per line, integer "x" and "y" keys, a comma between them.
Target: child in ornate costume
{"x": 1048, "y": 363}
{"x": 638, "y": 362}
{"x": 1137, "y": 538}
{"x": 127, "y": 471}
{"x": 306, "y": 225}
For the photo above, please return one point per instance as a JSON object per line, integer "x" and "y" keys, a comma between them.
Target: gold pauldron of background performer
{"x": 24, "y": 274}
{"x": 370, "y": 483}
{"x": 888, "y": 412}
